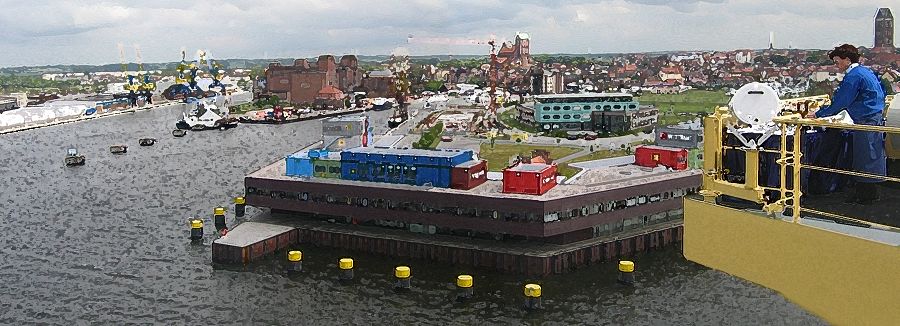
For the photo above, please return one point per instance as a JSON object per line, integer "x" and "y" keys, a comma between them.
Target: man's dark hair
{"x": 845, "y": 51}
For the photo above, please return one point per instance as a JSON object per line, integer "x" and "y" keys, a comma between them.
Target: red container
{"x": 529, "y": 179}
{"x": 651, "y": 156}
{"x": 468, "y": 175}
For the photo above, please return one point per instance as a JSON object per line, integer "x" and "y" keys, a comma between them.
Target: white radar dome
{"x": 755, "y": 104}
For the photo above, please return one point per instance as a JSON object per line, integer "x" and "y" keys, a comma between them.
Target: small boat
{"x": 179, "y": 133}
{"x": 118, "y": 149}
{"x": 198, "y": 127}
{"x": 147, "y": 141}
{"x": 73, "y": 158}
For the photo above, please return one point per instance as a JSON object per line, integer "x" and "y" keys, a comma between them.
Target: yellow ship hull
{"x": 844, "y": 279}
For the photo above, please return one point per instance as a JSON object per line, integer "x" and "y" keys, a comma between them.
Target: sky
{"x": 37, "y": 32}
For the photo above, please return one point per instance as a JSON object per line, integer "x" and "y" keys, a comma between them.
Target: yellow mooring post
{"x": 346, "y": 267}
{"x": 626, "y": 272}
{"x": 196, "y": 229}
{"x": 464, "y": 287}
{"x": 295, "y": 261}
{"x": 532, "y": 296}
{"x": 240, "y": 206}
{"x": 219, "y": 218}
{"x": 403, "y": 274}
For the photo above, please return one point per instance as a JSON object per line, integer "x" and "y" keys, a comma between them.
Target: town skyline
{"x": 90, "y": 34}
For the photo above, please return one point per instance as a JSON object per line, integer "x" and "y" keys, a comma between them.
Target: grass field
{"x": 498, "y": 157}
{"x": 692, "y": 101}
{"x": 596, "y": 155}
{"x": 508, "y": 118}
{"x": 675, "y": 108}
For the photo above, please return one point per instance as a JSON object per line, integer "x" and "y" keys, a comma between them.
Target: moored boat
{"x": 147, "y": 141}
{"x": 179, "y": 132}
{"x": 73, "y": 158}
{"x": 118, "y": 149}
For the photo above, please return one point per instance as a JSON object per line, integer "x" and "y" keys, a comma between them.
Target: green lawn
{"x": 692, "y": 101}
{"x": 498, "y": 157}
{"x": 568, "y": 171}
{"x": 243, "y": 108}
{"x": 508, "y": 118}
{"x": 596, "y": 155}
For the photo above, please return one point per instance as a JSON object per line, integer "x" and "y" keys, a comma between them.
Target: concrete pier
{"x": 252, "y": 240}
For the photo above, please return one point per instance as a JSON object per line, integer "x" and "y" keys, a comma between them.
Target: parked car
{"x": 572, "y": 137}
{"x": 590, "y": 137}
{"x": 446, "y": 138}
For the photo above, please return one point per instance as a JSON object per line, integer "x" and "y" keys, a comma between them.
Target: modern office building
{"x": 600, "y": 112}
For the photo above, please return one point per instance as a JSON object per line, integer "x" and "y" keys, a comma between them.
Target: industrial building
{"x": 599, "y": 112}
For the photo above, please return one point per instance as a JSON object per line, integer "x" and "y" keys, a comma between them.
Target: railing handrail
{"x": 795, "y": 154}
{"x": 795, "y": 119}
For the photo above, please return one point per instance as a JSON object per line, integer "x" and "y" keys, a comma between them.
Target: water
{"x": 106, "y": 243}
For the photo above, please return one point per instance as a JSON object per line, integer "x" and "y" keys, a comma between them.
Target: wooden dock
{"x": 250, "y": 241}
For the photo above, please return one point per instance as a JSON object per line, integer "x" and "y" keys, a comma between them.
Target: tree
{"x": 433, "y": 85}
{"x": 886, "y": 86}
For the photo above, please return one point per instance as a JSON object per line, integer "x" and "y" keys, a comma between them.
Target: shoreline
{"x": 85, "y": 118}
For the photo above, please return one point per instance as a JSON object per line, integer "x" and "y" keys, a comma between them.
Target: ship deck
{"x": 885, "y": 211}
{"x": 591, "y": 180}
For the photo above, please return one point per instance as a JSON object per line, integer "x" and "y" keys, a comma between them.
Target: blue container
{"x": 298, "y": 165}
{"x": 349, "y": 170}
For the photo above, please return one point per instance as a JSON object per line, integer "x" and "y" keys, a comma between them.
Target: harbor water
{"x": 107, "y": 243}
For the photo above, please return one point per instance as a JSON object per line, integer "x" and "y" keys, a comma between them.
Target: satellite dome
{"x": 755, "y": 104}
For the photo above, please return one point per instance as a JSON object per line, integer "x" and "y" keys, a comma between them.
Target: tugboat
{"x": 179, "y": 133}
{"x": 206, "y": 115}
{"x": 73, "y": 158}
{"x": 118, "y": 149}
{"x": 147, "y": 141}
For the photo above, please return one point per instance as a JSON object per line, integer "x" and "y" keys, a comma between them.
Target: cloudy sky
{"x": 38, "y": 32}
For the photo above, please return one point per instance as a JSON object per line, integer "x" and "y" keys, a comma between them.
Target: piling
{"x": 196, "y": 229}
{"x": 240, "y": 206}
{"x": 464, "y": 287}
{"x": 219, "y": 218}
{"x": 532, "y": 296}
{"x": 403, "y": 274}
{"x": 295, "y": 261}
{"x": 346, "y": 267}
{"x": 626, "y": 272}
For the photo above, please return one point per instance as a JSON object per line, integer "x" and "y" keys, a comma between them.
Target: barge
{"x": 601, "y": 214}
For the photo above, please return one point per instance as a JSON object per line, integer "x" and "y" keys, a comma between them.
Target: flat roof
{"x": 577, "y": 95}
{"x": 662, "y": 148}
{"x": 530, "y": 167}
{"x": 468, "y": 164}
{"x": 590, "y": 181}
{"x": 411, "y": 151}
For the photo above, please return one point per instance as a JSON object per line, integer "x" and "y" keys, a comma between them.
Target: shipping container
{"x": 298, "y": 165}
{"x": 326, "y": 168}
{"x": 651, "y": 156}
{"x": 529, "y": 179}
{"x": 468, "y": 175}
{"x": 313, "y": 163}
{"x": 402, "y": 166}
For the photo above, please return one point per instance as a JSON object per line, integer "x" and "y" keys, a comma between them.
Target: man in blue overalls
{"x": 860, "y": 93}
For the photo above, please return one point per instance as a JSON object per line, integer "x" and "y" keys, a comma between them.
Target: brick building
{"x": 516, "y": 54}
{"x": 303, "y": 82}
